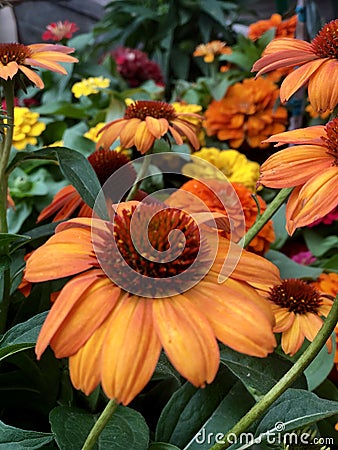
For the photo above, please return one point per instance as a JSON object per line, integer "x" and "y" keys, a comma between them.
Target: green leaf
{"x": 279, "y": 222}
{"x": 190, "y": 408}
{"x": 64, "y": 108}
{"x": 8, "y": 238}
{"x": 317, "y": 244}
{"x": 290, "y": 269}
{"x": 294, "y": 409}
{"x": 17, "y": 216}
{"x": 12, "y": 438}
{"x": 21, "y": 336}
{"x": 126, "y": 429}
{"x": 258, "y": 374}
{"x": 320, "y": 367}
{"x": 162, "y": 446}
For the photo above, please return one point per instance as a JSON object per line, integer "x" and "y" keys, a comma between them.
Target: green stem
{"x": 286, "y": 381}
{"x": 143, "y": 171}
{"x": 100, "y": 425}
{"x": 266, "y": 216}
{"x": 6, "y": 146}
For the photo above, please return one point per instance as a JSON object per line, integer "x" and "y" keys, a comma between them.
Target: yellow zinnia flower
{"x": 27, "y": 127}
{"x": 92, "y": 133}
{"x": 235, "y": 166}
{"x": 88, "y": 86}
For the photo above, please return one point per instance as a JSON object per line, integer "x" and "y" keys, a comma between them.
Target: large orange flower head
{"x": 247, "y": 114}
{"x": 298, "y": 309}
{"x": 311, "y": 166}
{"x": 147, "y": 120}
{"x": 317, "y": 65}
{"x": 17, "y": 59}
{"x": 147, "y": 280}
{"x": 68, "y": 203}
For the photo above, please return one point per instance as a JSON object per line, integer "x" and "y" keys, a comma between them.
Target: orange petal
{"x": 85, "y": 365}
{"x": 9, "y": 70}
{"x": 131, "y": 349}
{"x": 65, "y": 302}
{"x": 110, "y": 133}
{"x": 240, "y": 318}
{"x": 66, "y": 253}
{"x": 143, "y": 138}
{"x": 127, "y": 134}
{"x": 187, "y": 338}
{"x": 294, "y": 166}
{"x": 309, "y": 135}
{"x": 33, "y": 76}
{"x": 293, "y": 338}
{"x": 284, "y": 319}
{"x": 188, "y": 130}
{"x": 90, "y": 308}
{"x": 323, "y": 89}
{"x": 64, "y": 202}
{"x": 298, "y": 78}
{"x": 313, "y": 200}
{"x": 157, "y": 127}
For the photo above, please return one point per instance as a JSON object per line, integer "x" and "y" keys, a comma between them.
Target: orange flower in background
{"x": 147, "y": 120}
{"x": 247, "y": 114}
{"x": 68, "y": 203}
{"x": 114, "y": 337}
{"x": 312, "y": 166}
{"x": 16, "y": 58}
{"x": 317, "y": 65}
{"x": 284, "y": 28}
{"x": 210, "y": 195}
{"x": 211, "y": 50}
{"x": 298, "y": 309}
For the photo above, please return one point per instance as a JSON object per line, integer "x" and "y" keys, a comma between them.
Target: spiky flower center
{"x": 143, "y": 108}
{"x": 106, "y": 162}
{"x": 296, "y": 295}
{"x": 10, "y": 52}
{"x": 331, "y": 138}
{"x": 159, "y": 243}
{"x": 325, "y": 44}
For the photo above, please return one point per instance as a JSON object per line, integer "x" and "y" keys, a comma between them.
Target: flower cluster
{"x": 27, "y": 127}
{"x": 88, "y": 86}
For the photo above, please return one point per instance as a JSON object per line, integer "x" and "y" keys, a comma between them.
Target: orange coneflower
{"x": 298, "y": 309}
{"x": 114, "y": 335}
{"x": 216, "y": 196}
{"x": 311, "y": 166}
{"x": 147, "y": 120}
{"x": 317, "y": 65}
{"x": 247, "y": 114}
{"x": 68, "y": 203}
{"x": 16, "y": 58}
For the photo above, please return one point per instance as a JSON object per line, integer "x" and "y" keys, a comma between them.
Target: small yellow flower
{"x": 92, "y": 132}
{"x": 88, "y": 86}
{"x": 26, "y": 127}
{"x": 235, "y": 166}
{"x": 57, "y": 144}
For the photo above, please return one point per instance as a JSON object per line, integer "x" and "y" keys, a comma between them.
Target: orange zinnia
{"x": 317, "y": 63}
{"x": 211, "y": 50}
{"x": 16, "y": 58}
{"x": 68, "y": 203}
{"x": 298, "y": 309}
{"x": 147, "y": 120}
{"x": 210, "y": 193}
{"x": 113, "y": 335}
{"x": 247, "y": 114}
{"x": 311, "y": 166}
{"x": 284, "y": 28}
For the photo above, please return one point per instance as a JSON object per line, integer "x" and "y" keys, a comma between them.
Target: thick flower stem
{"x": 286, "y": 381}
{"x": 8, "y": 87}
{"x": 266, "y": 216}
{"x": 100, "y": 425}
{"x": 140, "y": 176}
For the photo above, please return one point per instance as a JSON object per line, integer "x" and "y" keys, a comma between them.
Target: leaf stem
{"x": 140, "y": 176}
{"x": 286, "y": 381}
{"x": 100, "y": 425}
{"x": 266, "y": 216}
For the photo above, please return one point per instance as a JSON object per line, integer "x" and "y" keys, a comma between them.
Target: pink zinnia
{"x": 57, "y": 31}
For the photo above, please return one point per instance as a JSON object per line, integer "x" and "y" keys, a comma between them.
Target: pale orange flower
{"x": 147, "y": 120}
{"x": 16, "y": 58}
{"x": 311, "y": 165}
{"x": 298, "y": 309}
{"x": 114, "y": 336}
{"x": 317, "y": 65}
{"x": 247, "y": 114}
{"x": 284, "y": 28}
{"x": 212, "y": 49}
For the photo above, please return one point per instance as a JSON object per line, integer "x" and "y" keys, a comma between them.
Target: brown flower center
{"x": 143, "y": 108}
{"x": 331, "y": 141}
{"x": 325, "y": 44}
{"x": 14, "y": 52}
{"x": 107, "y": 162}
{"x": 296, "y": 295}
{"x": 165, "y": 259}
